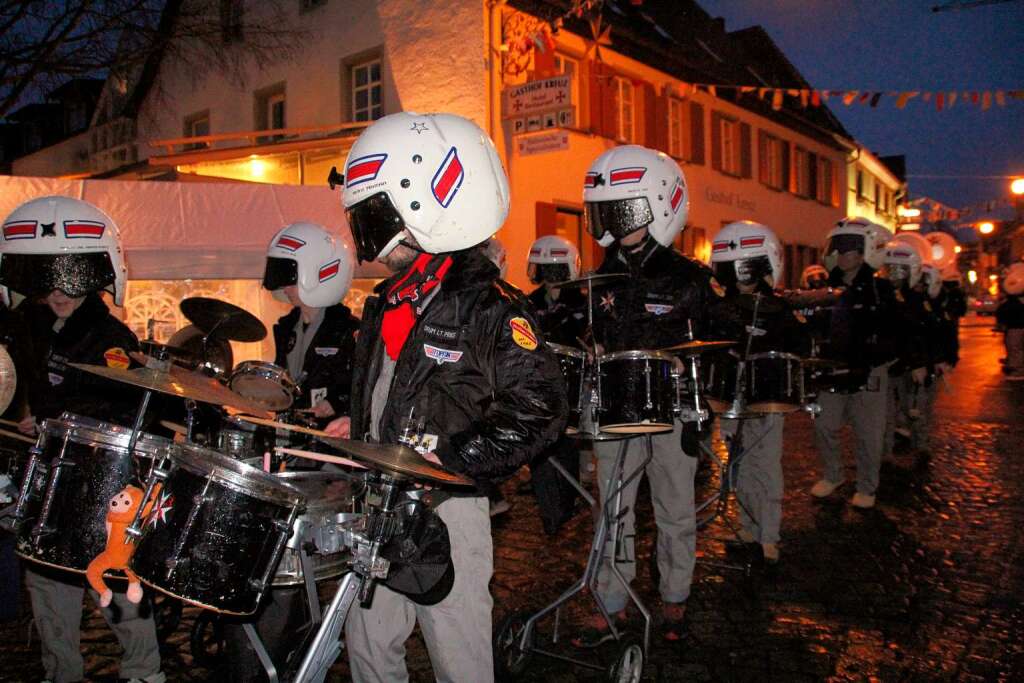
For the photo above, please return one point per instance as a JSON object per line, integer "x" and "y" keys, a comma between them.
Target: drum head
{"x": 638, "y": 428}
{"x": 262, "y": 390}
{"x": 235, "y": 474}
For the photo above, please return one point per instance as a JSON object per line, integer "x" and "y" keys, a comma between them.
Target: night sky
{"x": 903, "y": 45}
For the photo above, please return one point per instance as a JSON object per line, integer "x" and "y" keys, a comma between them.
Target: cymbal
{"x": 589, "y": 280}
{"x": 178, "y": 382}
{"x": 8, "y": 379}
{"x": 697, "y": 346}
{"x": 218, "y": 318}
{"x": 174, "y": 427}
{"x": 396, "y": 460}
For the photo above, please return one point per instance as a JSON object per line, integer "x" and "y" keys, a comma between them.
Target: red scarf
{"x": 402, "y": 302}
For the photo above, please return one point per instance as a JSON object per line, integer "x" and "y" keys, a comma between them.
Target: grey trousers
{"x": 57, "y": 607}
{"x": 866, "y": 411}
{"x": 897, "y": 402}
{"x": 759, "y": 482}
{"x": 1014, "y": 341}
{"x": 457, "y": 630}
{"x": 670, "y": 475}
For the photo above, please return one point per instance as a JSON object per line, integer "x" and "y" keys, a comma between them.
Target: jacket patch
{"x": 522, "y": 333}
{"x": 448, "y": 334}
{"x": 54, "y": 378}
{"x": 608, "y": 301}
{"x": 116, "y": 358}
{"x": 716, "y": 287}
{"x": 658, "y": 309}
{"x": 326, "y": 350}
{"x": 441, "y": 356}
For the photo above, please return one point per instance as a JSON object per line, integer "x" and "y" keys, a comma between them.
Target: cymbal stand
{"x": 162, "y": 363}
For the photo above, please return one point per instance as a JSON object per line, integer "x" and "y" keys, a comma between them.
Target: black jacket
{"x": 654, "y": 307}
{"x": 784, "y": 328}
{"x": 1010, "y": 314}
{"x": 562, "y": 321}
{"x": 953, "y": 306}
{"x": 491, "y": 398}
{"x": 91, "y": 335}
{"x": 14, "y": 337}
{"x": 327, "y": 366}
{"x": 865, "y": 327}
{"x": 916, "y": 348}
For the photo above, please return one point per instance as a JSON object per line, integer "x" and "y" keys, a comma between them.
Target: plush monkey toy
{"x": 120, "y": 513}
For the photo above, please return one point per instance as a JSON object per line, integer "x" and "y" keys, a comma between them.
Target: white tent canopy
{"x": 177, "y": 231}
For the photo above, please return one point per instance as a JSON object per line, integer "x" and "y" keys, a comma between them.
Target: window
{"x": 624, "y": 109}
{"x": 728, "y": 145}
{"x": 772, "y": 160}
{"x": 571, "y": 68}
{"x": 197, "y": 125}
{"x": 878, "y": 195}
{"x": 367, "y": 93}
{"x": 678, "y": 127}
{"x": 860, "y": 186}
{"x": 231, "y": 12}
{"x": 826, "y": 180}
{"x": 271, "y": 112}
{"x": 802, "y": 172}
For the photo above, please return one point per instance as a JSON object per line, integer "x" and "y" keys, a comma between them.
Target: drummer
{"x": 636, "y": 203}
{"x": 64, "y": 252}
{"x": 448, "y": 349}
{"x": 312, "y": 270}
{"x": 747, "y": 260}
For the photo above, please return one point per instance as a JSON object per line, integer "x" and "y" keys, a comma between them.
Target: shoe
{"x": 596, "y": 631}
{"x": 771, "y": 552}
{"x": 902, "y": 431}
{"x": 824, "y": 488}
{"x": 158, "y": 677}
{"x": 500, "y": 507}
{"x": 673, "y": 628}
{"x": 864, "y": 501}
{"x": 745, "y": 536}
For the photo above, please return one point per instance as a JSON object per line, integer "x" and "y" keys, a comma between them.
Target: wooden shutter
{"x": 786, "y": 175}
{"x": 836, "y": 170}
{"x": 763, "y": 172}
{"x": 746, "y": 164}
{"x": 812, "y": 175}
{"x": 594, "y": 97}
{"x": 650, "y": 115}
{"x": 696, "y": 133}
{"x": 716, "y": 141}
{"x": 660, "y": 136}
{"x": 546, "y": 218}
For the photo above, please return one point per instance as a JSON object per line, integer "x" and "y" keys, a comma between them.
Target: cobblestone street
{"x": 927, "y": 586}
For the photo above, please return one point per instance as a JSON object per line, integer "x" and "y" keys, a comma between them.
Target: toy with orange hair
{"x": 120, "y": 513}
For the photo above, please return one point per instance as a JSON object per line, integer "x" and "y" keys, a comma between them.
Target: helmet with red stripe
{"x": 1013, "y": 280}
{"x": 631, "y": 187}
{"x": 437, "y": 176}
{"x": 61, "y": 243}
{"x": 747, "y": 252}
{"x": 856, "y": 234}
{"x": 902, "y": 262}
{"x": 814, "y": 277}
{"x": 318, "y": 263}
{"x": 495, "y": 251}
{"x": 553, "y": 259}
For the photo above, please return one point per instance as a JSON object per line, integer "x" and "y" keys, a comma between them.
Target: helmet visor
{"x": 619, "y": 217}
{"x": 280, "y": 273}
{"x": 844, "y": 243}
{"x": 725, "y": 273}
{"x": 74, "y": 274}
{"x": 816, "y": 281}
{"x": 374, "y": 221}
{"x": 751, "y": 270}
{"x": 547, "y": 272}
{"x": 896, "y": 272}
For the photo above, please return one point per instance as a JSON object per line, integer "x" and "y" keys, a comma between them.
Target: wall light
{"x": 972, "y": 276}
{"x": 986, "y": 228}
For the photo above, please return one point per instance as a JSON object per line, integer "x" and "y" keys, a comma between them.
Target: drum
{"x": 775, "y": 382}
{"x": 330, "y": 506}
{"x": 216, "y": 531}
{"x": 266, "y": 383}
{"x": 636, "y": 392}
{"x": 76, "y": 467}
{"x": 237, "y": 439}
{"x": 573, "y": 363}
{"x": 718, "y": 379}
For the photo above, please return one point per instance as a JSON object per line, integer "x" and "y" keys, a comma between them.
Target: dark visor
{"x": 845, "y": 243}
{"x": 725, "y": 273}
{"x": 750, "y": 270}
{"x": 374, "y": 221}
{"x": 548, "y": 272}
{"x": 74, "y": 274}
{"x": 619, "y": 217}
{"x": 279, "y": 273}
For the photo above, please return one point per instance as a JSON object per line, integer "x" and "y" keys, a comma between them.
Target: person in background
{"x": 1010, "y": 317}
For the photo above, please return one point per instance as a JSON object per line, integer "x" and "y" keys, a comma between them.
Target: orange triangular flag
{"x": 1000, "y": 98}
{"x": 849, "y": 97}
{"x": 777, "y": 99}
{"x": 986, "y": 100}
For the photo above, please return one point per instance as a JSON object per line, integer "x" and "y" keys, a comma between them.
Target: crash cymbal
{"x": 178, "y": 382}
{"x": 218, "y": 318}
{"x": 590, "y": 280}
{"x": 692, "y": 348}
{"x": 8, "y": 379}
{"x": 396, "y": 460}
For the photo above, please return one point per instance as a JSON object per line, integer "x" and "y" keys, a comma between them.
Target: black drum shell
{"x": 775, "y": 383}
{"x": 718, "y": 379}
{"x": 624, "y": 396}
{"x": 573, "y": 364}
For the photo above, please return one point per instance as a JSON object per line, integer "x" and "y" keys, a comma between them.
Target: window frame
{"x": 189, "y": 126}
{"x": 561, "y": 59}
{"x": 801, "y": 173}
{"x": 622, "y": 85}
{"x": 773, "y": 165}
{"x": 354, "y": 89}
{"x": 680, "y": 119}
{"x": 729, "y": 146}
{"x": 264, "y": 100}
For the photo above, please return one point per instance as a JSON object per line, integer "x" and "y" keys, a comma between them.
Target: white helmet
{"x": 318, "y": 263}
{"x": 552, "y": 259}
{"x": 65, "y": 244}
{"x": 857, "y": 234}
{"x": 932, "y": 278}
{"x": 902, "y": 262}
{"x": 495, "y": 251}
{"x": 1013, "y": 281}
{"x": 746, "y": 252}
{"x": 436, "y": 175}
{"x": 943, "y": 250}
{"x": 631, "y": 187}
{"x": 814, "y": 277}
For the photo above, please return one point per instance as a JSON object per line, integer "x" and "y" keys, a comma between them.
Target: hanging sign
{"x": 536, "y": 97}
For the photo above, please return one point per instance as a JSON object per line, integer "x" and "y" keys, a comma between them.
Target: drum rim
{"x": 107, "y": 434}
{"x": 776, "y": 354}
{"x": 235, "y": 474}
{"x": 636, "y": 354}
{"x": 564, "y": 350}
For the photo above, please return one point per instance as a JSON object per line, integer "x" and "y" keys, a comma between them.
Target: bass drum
{"x": 77, "y": 466}
{"x": 636, "y": 392}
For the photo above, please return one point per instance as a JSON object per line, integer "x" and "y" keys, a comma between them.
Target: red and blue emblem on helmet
{"x": 91, "y": 230}
{"x": 19, "y": 230}
{"x": 330, "y": 270}
{"x": 625, "y": 176}
{"x": 448, "y": 179}
{"x": 364, "y": 169}
{"x": 676, "y": 199}
{"x": 289, "y": 243}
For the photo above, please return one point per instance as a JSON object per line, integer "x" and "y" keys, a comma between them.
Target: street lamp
{"x": 1017, "y": 186}
{"x": 986, "y": 227}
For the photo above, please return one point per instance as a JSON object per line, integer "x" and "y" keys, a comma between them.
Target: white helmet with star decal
{"x": 61, "y": 243}
{"x": 318, "y": 263}
{"x": 632, "y": 187}
{"x": 436, "y": 175}
{"x": 747, "y": 252}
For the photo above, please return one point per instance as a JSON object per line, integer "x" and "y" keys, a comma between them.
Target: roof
{"x": 77, "y": 87}
{"x": 681, "y": 39}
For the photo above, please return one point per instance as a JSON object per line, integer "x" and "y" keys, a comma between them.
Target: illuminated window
{"x": 367, "y": 92}
{"x": 625, "y": 108}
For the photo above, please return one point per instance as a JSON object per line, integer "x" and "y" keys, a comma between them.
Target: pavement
{"x": 927, "y": 586}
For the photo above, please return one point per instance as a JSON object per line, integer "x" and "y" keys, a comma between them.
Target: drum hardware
{"x": 220, "y": 319}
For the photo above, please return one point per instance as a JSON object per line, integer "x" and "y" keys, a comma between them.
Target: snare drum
{"x": 77, "y": 466}
{"x": 636, "y": 392}
{"x": 573, "y": 363}
{"x": 718, "y": 379}
{"x": 265, "y": 383}
{"x": 775, "y": 382}
{"x": 216, "y": 532}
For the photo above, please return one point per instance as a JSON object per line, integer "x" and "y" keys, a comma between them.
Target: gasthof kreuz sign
{"x": 536, "y": 97}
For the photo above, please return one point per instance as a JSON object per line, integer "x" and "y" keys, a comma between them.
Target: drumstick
{"x": 9, "y": 423}
{"x": 283, "y": 425}
{"x": 322, "y": 457}
{"x": 15, "y": 435}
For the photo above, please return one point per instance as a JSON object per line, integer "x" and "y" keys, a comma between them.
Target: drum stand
{"x": 516, "y": 641}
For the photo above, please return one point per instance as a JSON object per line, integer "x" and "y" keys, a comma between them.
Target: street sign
{"x": 564, "y": 118}
{"x": 536, "y": 97}
{"x": 551, "y": 141}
